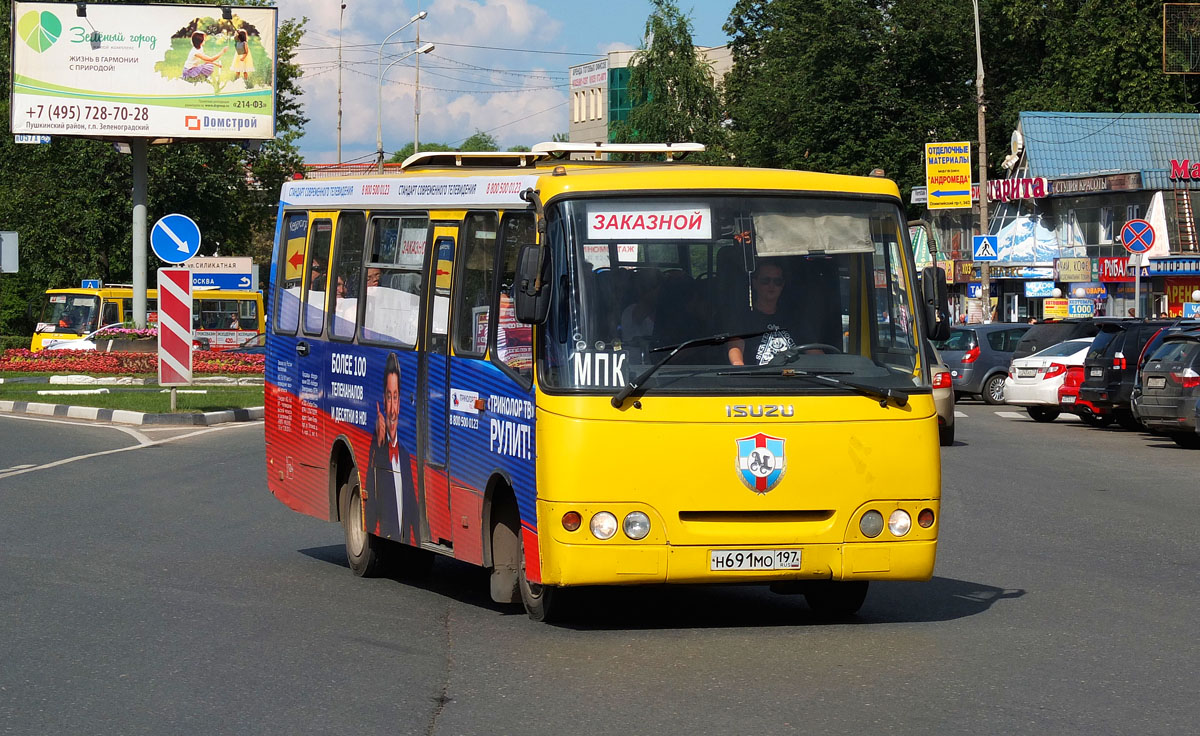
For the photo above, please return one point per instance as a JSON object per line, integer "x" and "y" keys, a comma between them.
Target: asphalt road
{"x": 163, "y": 590}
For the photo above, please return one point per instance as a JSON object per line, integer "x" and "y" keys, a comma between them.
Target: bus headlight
{"x": 603, "y": 525}
{"x": 899, "y": 522}
{"x": 637, "y": 525}
{"x": 871, "y": 524}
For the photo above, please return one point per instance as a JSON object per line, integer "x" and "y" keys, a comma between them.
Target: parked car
{"x": 978, "y": 358}
{"x": 253, "y": 345}
{"x": 1170, "y": 388}
{"x": 943, "y": 400}
{"x": 1033, "y": 381}
{"x": 1044, "y": 334}
{"x": 1070, "y": 403}
{"x": 1111, "y": 365}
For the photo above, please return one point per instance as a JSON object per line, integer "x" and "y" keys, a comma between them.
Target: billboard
{"x": 143, "y": 71}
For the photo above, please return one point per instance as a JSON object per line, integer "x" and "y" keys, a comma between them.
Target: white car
{"x": 1033, "y": 381}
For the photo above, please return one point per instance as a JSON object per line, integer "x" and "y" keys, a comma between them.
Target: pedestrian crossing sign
{"x": 985, "y": 248}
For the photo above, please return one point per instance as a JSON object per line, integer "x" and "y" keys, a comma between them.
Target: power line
{"x": 458, "y": 45}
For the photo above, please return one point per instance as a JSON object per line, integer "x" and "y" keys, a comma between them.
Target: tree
{"x": 407, "y": 150}
{"x": 675, "y": 97}
{"x": 480, "y": 141}
{"x": 71, "y": 200}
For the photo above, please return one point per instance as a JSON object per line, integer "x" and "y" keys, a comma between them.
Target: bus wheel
{"x": 542, "y": 602}
{"x": 835, "y": 598}
{"x": 363, "y": 550}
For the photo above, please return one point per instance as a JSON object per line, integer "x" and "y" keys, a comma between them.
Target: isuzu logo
{"x": 738, "y": 411}
{"x": 761, "y": 461}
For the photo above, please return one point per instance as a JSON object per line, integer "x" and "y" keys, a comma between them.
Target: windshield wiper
{"x": 637, "y": 383}
{"x": 882, "y": 395}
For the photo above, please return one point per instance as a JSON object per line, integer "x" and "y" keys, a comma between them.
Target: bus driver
{"x": 767, "y": 286}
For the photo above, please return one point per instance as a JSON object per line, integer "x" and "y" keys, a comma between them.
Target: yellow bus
{"x": 222, "y": 319}
{"x": 589, "y": 373}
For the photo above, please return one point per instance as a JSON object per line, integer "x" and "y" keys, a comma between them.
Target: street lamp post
{"x": 985, "y": 285}
{"x": 379, "y": 75}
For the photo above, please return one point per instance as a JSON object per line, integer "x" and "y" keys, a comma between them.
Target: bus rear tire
{"x": 835, "y": 598}
{"x": 364, "y": 552}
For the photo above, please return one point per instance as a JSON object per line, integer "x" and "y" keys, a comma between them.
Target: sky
{"x": 498, "y": 66}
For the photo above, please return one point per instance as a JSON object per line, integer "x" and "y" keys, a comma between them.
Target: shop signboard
{"x": 1174, "y": 267}
{"x": 964, "y": 271}
{"x": 1007, "y": 190}
{"x": 1080, "y": 308}
{"x": 1114, "y": 270}
{"x": 1039, "y": 289}
{"x": 974, "y": 290}
{"x": 1072, "y": 269}
{"x": 1091, "y": 290}
{"x": 108, "y": 70}
{"x": 1057, "y": 308}
{"x": 1179, "y": 292}
{"x": 1191, "y": 310}
{"x": 948, "y": 175}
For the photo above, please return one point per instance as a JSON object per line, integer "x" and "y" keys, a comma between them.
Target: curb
{"x": 122, "y": 416}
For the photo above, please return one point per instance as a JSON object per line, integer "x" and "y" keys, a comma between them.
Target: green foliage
{"x": 407, "y": 150}
{"x": 70, "y": 201}
{"x": 675, "y": 97}
{"x": 480, "y": 141}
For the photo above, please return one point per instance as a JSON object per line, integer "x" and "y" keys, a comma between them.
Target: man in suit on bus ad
{"x": 391, "y": 495}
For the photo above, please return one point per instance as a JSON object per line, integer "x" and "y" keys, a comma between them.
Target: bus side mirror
{"x": 531, "y": 292}
{"x": 937, "y": 303}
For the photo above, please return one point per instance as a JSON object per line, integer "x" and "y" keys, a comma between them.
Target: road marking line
{"x": 17, "y": 467}
{"x": 1012, "y": 415}
{"x": 959, "y": 415}
{"x": 143, "y": 442}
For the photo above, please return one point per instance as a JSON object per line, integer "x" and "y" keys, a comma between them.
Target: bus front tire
{"x": 542, "y": 602}
{"x": 364, "y": 552}
{"x": 835, "y": 598}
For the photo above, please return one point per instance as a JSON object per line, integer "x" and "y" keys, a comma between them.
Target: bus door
{"x": 434, "y": 384}
{"x": 297, "y": 439}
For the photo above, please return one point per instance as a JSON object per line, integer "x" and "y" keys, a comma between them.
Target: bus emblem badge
{"x": 761, "y": 461}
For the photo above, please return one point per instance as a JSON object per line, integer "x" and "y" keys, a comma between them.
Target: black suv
{"x": 1110, "y": 369}
{"x": 1170, "y": 387}
{"x": 1044, "y": 334}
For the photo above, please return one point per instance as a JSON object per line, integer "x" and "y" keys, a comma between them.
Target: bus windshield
{"x": 73, "y": 313}
{"x": 809, "y": 284}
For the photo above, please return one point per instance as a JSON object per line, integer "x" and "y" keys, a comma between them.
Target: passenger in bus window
{"x": 766, "y": 286}
{"x": 233, "y": 321}
{"x": 373, "y": 277}
{"x": 316, "y": 281}
{"x": 390, "y": 490}
{"x": 637, "y": 320}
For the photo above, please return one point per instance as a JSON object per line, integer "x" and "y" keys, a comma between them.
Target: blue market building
{"x": 1073, "y": 181}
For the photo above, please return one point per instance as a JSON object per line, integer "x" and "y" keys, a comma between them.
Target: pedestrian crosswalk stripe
{"x": 1011, "y": 414}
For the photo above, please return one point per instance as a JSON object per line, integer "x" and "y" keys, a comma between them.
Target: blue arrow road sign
{"x": 986, "y": 248}
{"x": 940, "y": 193}
{"x": 212, "y": 280}
{"x": 175, "y": 238}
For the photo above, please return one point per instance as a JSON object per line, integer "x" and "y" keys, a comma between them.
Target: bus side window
{"x": 395, "y": 279}
{"x": 474, "y": 293}
{"x": 347, "y": 273}
{"x": 112, "y": 314}
{"x": 290, "y": 276}
{"x": 320, "y": 238}
{"x": 514, "y": 340}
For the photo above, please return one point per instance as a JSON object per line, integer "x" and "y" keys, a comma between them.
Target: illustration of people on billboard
{"x": 198, "y": 67}
{"x": 391, "y": 495}
{"x": 242, "y": 63}
{"x": 196, "y": 52}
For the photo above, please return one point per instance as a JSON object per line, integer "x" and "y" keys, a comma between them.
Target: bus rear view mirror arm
{"x": 937, "y": 303}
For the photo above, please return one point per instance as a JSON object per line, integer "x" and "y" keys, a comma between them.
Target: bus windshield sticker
{"x": 599, "y": 370}
{"x": 629, "y": 221}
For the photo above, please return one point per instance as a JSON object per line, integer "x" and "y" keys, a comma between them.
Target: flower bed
{"x": 127, "y": 333}
{"x": 90, "y": 362}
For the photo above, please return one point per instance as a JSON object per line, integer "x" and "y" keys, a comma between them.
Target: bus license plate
{"x": 720, "y": 560}
{"x": 1156, "y": 382}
